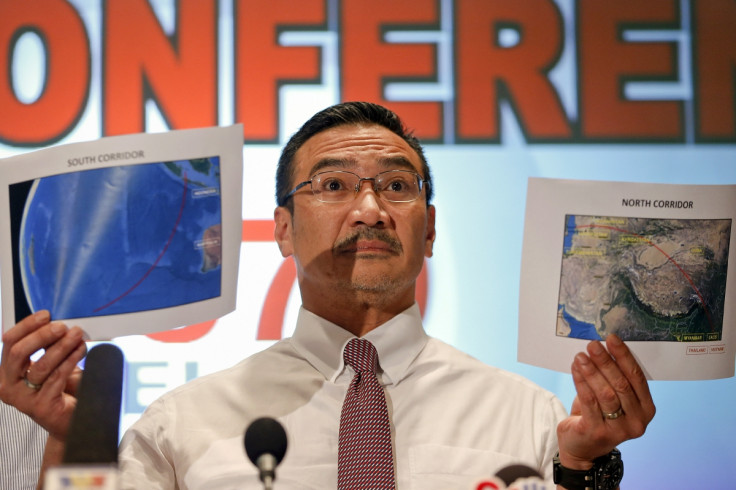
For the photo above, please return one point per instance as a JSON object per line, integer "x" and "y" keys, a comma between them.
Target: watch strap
{"x": 588, "y": 479}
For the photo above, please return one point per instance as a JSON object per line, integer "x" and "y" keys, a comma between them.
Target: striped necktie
{"x": 365, "y": 459}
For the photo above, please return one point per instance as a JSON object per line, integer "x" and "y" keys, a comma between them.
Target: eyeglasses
{"x": 342, "y": 186}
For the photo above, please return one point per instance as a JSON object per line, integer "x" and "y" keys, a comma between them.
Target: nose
{"x": 368, "y": 208}
{"x": 362, "y": 180}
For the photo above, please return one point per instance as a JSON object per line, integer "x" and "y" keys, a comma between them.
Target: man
{"x": 354, "y": 211}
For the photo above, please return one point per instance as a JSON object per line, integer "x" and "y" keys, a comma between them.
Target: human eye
{"x": 332, "y": 186}
{"x": 398, "y": 185}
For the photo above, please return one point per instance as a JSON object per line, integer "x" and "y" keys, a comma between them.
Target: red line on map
{"x": 160, "y": 256}
{"x": 689, "y": 279}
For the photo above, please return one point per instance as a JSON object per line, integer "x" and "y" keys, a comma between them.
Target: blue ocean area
{"x": 569, "y": 232}
{"x": 123, "y": 239}
{"x": 578, "y": 329}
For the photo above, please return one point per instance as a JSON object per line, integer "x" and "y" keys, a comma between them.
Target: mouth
{"x": 370, "y": 247}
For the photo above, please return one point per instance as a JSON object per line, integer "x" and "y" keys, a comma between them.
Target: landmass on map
{"x": 644, "y": 279}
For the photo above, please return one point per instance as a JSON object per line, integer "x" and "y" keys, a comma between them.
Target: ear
{"x": 431, "y": 232}
{"x": 283, "y": 230}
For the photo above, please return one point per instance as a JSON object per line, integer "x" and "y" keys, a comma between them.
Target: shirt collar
{"x": 398, "y": 342}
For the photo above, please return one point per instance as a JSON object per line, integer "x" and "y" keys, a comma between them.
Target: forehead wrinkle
{"x": 386, "y": 163}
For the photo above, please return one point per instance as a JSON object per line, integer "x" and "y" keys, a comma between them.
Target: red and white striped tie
{"x": 365, "y": 459}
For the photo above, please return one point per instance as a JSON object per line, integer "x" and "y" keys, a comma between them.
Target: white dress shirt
{"x": 453, "y": 418}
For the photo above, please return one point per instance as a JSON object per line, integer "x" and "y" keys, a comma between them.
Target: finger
{"x": 56, "y": 382}
{"x": 23, "y": 340}
{"x": 588, "y": 404}
{"x": 628, "y": 399}
{"x": 20, "y": 352}
{"x": 26, "y": 326}
{"x": 593, "y": 373}
{"x": 637, "y": 414}
{"x": 72, "y": 383}
{"x": 23, "y": 328}
{"x": 54, "y": 407}
{"x": 575, "y": 408}
{"x": 55, "y": 355}
{"x": 632, "y": 371}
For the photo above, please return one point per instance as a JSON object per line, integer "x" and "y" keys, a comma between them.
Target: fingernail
{"x": 58, "y": 328}
{"x": 582, "y": 358}
{"x": 615, "y": 340}
{"x": 596, "y": 347}
{"x": 41, "y": 316}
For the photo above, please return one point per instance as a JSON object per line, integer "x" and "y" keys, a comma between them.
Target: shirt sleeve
{"x": 21, "y": 449}
{"x": 145, "y": 460}
{"x": 555, "y": 414}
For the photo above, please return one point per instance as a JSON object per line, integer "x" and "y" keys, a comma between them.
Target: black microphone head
{"x": 265, "y": 436}
{"x": 95, "y": 426}
{"x": 511, "y": 473}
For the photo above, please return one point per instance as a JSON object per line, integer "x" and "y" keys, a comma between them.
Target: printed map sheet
{"x": 123, "y": 235}
{"x": 648, "y": 262}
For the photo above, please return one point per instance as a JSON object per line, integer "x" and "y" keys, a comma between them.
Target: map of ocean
{"x": 122, "y": 239}
{"x": 579, "y": 329}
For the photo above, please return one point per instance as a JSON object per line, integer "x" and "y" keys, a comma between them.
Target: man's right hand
{"x": 45, "y": 389}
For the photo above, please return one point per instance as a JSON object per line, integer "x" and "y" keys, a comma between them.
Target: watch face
{"x": 609, "y": 474}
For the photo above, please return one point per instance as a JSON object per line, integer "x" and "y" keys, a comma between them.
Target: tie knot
{"x": 361, "y": 355}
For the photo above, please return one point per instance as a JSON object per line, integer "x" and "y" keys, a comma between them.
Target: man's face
{"x": 365, "y": 245}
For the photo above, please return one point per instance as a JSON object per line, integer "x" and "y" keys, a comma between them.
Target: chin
{"x": 372, "y": 283}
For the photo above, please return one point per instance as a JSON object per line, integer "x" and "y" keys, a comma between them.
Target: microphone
{"x": 91, "y": 453}
{"x": 513, "y": 477}
{"x": 265, "y": 445}
{"x": 513, "y": 474}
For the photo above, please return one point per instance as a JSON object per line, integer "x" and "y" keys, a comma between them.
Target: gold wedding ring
{"x": 614, "y": 415}
{"x": 30, "y": 384}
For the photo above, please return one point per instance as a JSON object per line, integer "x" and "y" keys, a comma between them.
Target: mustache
{"x": 348, "y": 241}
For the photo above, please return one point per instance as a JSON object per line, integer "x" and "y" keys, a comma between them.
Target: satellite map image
{"x": 122, "y": 239}
{"x": 643, "y": 279}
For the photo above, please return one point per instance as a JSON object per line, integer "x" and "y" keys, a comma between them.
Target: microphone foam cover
{"x": 511, "y": 473}
{"x": 95, "y": 425}
{"x": 265, "y": 436}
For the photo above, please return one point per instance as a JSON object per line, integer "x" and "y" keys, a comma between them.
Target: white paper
{"x": 648, "y": 262}
{"x": 123, "y": 235}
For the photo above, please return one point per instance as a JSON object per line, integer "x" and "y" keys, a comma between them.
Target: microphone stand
{"x": 267, "y": 470}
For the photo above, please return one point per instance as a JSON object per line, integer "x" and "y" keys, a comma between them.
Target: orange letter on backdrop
{"x": 606, "y": 62}
{"x": 488, "y": 71}
{"x": 140, "y": 63}
{"x": 714, "y": 39}
{"x": 368, "y": 62}
{"x": 262, "y": 65}
{"x": 67, "y": 79}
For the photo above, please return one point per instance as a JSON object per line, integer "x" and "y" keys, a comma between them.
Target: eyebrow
{"x": 331, "y": 163}
{"x": 388, "y": 163}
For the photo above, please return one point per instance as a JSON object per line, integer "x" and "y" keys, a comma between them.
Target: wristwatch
{"x": 606, "y": 473}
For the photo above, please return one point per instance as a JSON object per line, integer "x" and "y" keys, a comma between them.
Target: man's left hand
{"x": 613, "y": 404}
